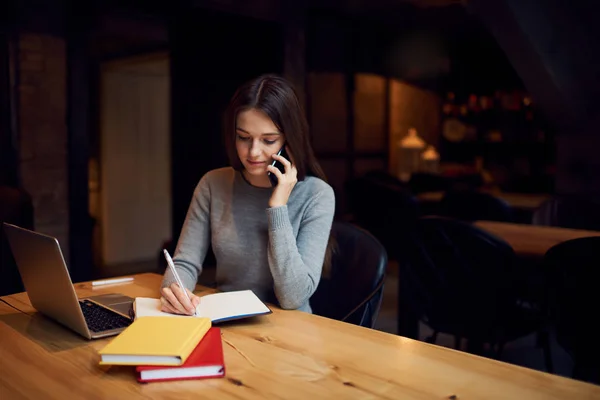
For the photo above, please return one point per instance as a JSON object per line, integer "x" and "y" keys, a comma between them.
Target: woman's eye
{"x": 270, "y": 141}
{"x": 244, "y": 138}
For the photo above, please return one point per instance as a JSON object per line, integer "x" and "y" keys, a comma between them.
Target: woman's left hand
{"x": 286, "y": 181}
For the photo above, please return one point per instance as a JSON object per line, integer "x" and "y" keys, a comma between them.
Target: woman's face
{"x": 257, "y": 139}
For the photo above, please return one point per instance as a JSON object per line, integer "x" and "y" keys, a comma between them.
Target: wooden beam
{"x": 294, "y": 64}
{"x": 78, "y": 118}
{"x": 350, "y": 72}
{"x": 8, "y": 142}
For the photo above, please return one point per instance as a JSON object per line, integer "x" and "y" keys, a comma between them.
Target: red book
{"x": 206, "y": 361}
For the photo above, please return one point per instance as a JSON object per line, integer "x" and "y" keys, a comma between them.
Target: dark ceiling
{"x": 442, "y": 47}
{"x": 433, "y": 43}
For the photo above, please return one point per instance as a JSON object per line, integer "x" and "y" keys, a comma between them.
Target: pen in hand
{"x": 176, "y": 275}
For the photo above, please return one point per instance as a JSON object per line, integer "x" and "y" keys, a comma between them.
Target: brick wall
{"x": 42, "y": 98}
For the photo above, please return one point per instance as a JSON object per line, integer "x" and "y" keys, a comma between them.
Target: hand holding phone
{"x": 277, "y": 164}
{"x": 283, "y": 176}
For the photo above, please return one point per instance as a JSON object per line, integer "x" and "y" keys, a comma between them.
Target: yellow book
{"x": 155, "y": 341}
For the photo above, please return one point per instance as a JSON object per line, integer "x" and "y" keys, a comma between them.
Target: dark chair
{"x": 16, "y": 208}
{"x": 574, "y": 270}
{"x": 425, "y": 182}
{"x": 575, "y": 212}
{"x": 461, "y": 280}
{"x": 353, "y": 291}
{"x": 471, "y": 205}
{"x": 382, "y": 176}
{"x": 382, "y": 209}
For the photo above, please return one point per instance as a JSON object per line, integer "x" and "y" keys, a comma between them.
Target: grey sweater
{"x": 276, "y": 252}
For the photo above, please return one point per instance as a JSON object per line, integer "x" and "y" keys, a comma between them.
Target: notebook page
{"x": 147, "y": 307}
{"x": 230, "y": 305}
{"x": 218, "y": 306}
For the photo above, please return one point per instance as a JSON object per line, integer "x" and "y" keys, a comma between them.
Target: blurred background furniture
{"x": 383, "y": 208}
{"x": 460, "y": 280}
{"x": 421, "y": 182}
{"x": 530, "y": 241}
{"x": 576, "y": 212}
{"x": 354, "y": 288}
{"x": 574, "y": 300}
{"x": 472, "y": 205}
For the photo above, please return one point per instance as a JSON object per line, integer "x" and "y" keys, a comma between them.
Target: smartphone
{"x": 277, "y": 164}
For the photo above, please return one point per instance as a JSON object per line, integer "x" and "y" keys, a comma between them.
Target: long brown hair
{"x": 276, "y": 97}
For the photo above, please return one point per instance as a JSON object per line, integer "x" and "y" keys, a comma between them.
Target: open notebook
{"x": 218, "y": 307}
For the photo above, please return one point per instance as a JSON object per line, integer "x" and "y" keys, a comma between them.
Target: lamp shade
{"x": 409, "y": 150}
{"x": 412, "y": 140}
{"x": 430, "y": 160}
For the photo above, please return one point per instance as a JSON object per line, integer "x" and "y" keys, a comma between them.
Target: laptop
{"x": 48, "y": 284}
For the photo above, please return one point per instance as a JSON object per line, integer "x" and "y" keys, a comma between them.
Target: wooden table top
{"x": 523, "y": 201}
{"x": 288, "y": 354}
{"x": 532, "y": 240}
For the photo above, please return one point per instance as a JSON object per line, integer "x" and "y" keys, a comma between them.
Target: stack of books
{"x": 165, "y": 346}
{"x": 163, "y": 349}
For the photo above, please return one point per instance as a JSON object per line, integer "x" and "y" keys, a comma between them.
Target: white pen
{"x": 112, "y": 281}
{"x": 176, "y": 275}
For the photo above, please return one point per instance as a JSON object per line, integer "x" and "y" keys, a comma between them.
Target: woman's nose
{"x": 255, "y": 148}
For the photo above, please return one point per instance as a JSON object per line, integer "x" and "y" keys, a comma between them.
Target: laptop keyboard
{"x": 100, "y": 319}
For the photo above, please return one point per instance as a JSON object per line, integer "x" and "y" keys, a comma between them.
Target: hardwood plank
{"x": 521, "y": 201}
{"x": 532, "y": 240}
{"x": 288, "y": 354}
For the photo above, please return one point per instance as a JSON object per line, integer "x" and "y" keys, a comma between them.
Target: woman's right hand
{"x": 174, "y": 301}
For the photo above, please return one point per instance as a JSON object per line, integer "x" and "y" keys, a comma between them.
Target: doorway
{"x": 130, "y": 180}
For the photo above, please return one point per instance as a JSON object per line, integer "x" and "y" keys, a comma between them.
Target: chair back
{"x": 574, "y": 271}
{"x": 354, "y": 290}
{"x": 472, "y": 205}
{"x": 456, "y": 277}
{"x": 575, "y": 212}
{"x": 425, "y": 182}
{"x": 382, "y": 209}
{"x": 382, "y": 176}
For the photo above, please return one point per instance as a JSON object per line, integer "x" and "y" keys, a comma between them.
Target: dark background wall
{"x": 555, "y": 48}
{"x": 548, "y": 48}
{"x": 205, "y": 73}
{"x": 8, "y": 156}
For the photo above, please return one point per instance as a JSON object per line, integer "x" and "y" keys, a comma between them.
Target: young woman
{"x": 272, "y": 239}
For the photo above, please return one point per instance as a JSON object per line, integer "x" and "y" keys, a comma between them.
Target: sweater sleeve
{"x": 194, "y": 239}
{"x": 296, "y": 262}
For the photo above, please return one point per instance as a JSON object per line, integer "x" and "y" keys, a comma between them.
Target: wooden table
{"x": 288, "y": 354}
{"x": 521, "y": 201}
{"x": 532, "y": 240}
